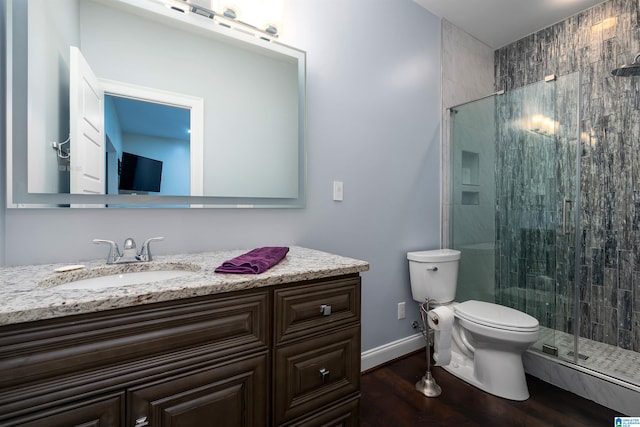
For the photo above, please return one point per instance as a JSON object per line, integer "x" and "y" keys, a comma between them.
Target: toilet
{"x": 484, "y": 342}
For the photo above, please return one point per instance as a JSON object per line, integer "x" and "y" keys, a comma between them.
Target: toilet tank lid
{"x": 436, "y": 255}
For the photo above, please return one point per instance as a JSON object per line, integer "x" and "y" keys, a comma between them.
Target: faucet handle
{"x": 145, "y": 250}
{"x": 114, "y": 251}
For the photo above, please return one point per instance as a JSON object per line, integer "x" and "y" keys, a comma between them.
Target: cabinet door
{"x": 102, "y": 411}
{"x": 232, "y": 394}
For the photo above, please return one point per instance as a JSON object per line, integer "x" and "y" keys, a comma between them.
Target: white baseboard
{"x": 387, "y": 352}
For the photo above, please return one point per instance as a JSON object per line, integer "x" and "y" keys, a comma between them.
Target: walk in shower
{"x": 543, "y": 209}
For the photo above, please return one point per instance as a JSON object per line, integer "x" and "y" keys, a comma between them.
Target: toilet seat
{"x": 496, "y": 316}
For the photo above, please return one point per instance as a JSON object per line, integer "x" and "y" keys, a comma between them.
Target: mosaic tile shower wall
{"x": 594, "y": 42}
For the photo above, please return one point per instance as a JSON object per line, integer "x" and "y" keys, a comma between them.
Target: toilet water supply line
{"x": 427, "y": 385}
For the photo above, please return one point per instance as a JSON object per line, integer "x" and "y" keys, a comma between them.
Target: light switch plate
{"x": 338, "y": 191}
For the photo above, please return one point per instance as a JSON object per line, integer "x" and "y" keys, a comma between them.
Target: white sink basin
{"x": 124, "y": 279}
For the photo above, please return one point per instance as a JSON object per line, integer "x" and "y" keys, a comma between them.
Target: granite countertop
{"x": 29, "y": 293}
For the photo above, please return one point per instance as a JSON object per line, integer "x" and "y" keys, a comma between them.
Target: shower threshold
{"x": 606, "y": 359}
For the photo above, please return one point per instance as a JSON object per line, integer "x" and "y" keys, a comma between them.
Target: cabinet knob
{"x": 141, "y": 422}
{"x": 324, "y": 375}
{"x": 325, "y": 309}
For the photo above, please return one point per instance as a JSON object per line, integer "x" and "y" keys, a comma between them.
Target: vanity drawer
{"x": 346, "y": 414}
{"x": 317, "y": 372}
{"x": 309, "y": 309}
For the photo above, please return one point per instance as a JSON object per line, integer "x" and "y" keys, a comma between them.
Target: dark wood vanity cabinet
{"x": 284, "y": 355}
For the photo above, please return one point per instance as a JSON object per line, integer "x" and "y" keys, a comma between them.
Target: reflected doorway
{"x": 153, "y": 131}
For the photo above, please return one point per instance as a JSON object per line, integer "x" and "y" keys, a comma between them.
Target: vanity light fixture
{"x": 230, "y": 13}
{"x": 204, "y": 12}
{"x": 541, "y": 125}
{"x": 177, "y": 6}
{"x": 260, "y": 18}
{"x": 271, "y": 30}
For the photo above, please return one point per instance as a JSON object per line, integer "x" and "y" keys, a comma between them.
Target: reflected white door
{"x": 86, "y": 104}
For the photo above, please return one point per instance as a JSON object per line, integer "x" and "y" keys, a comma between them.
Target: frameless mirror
{"x": 121, "y": 103}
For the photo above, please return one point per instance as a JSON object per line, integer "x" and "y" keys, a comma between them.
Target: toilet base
{"x": 504, "y": 378}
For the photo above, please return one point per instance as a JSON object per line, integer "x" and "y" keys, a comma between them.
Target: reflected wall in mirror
{"x": 244, "y": 106}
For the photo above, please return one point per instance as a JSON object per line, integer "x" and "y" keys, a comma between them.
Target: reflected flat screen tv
{"x": 138, "y": 173}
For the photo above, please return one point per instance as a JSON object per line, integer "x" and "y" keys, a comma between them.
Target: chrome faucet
{"x": 129, "y": 253}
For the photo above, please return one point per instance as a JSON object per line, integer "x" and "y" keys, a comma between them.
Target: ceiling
{"x": 148, "y": 118}
{"x": 500, "y": 22}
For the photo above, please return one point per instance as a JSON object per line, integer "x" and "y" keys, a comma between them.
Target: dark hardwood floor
{"x": 389, "y": 399}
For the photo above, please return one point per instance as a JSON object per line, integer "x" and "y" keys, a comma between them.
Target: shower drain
{"x": 580, "y": 355}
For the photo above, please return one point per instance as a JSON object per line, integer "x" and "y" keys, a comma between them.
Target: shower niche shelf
{"x": 470, "y": 168}
{"x": 470, "y": 176}
{"x": 470, "y": 198}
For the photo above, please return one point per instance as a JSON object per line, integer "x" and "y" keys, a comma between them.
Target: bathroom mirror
{"x": 240, "y": 98}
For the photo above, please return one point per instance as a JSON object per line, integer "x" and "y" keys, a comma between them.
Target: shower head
{"x": 628, "y": 70}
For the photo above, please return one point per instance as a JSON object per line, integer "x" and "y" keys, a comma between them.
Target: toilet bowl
{"x": 487, "y": 340}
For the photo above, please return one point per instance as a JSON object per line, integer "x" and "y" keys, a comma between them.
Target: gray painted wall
{"x": 373, "y": 108}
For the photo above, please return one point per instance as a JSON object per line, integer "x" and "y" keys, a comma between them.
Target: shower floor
{"x": 604, "y": 358}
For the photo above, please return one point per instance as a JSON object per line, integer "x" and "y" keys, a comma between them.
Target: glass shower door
{"x": 513, "y": 191}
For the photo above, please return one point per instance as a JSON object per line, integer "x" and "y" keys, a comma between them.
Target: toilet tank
{"x": 434, "y": 274}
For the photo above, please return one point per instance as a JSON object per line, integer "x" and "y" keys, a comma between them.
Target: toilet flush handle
{"x": 432, "y": 268}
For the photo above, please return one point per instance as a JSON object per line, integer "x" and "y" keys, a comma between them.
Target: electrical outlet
{"x": 402, "y": 306}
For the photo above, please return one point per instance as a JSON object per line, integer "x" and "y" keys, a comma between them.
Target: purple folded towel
{"x": 254, "y": 262}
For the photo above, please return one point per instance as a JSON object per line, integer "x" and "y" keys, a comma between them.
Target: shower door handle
{"x": 566, "y": 205}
